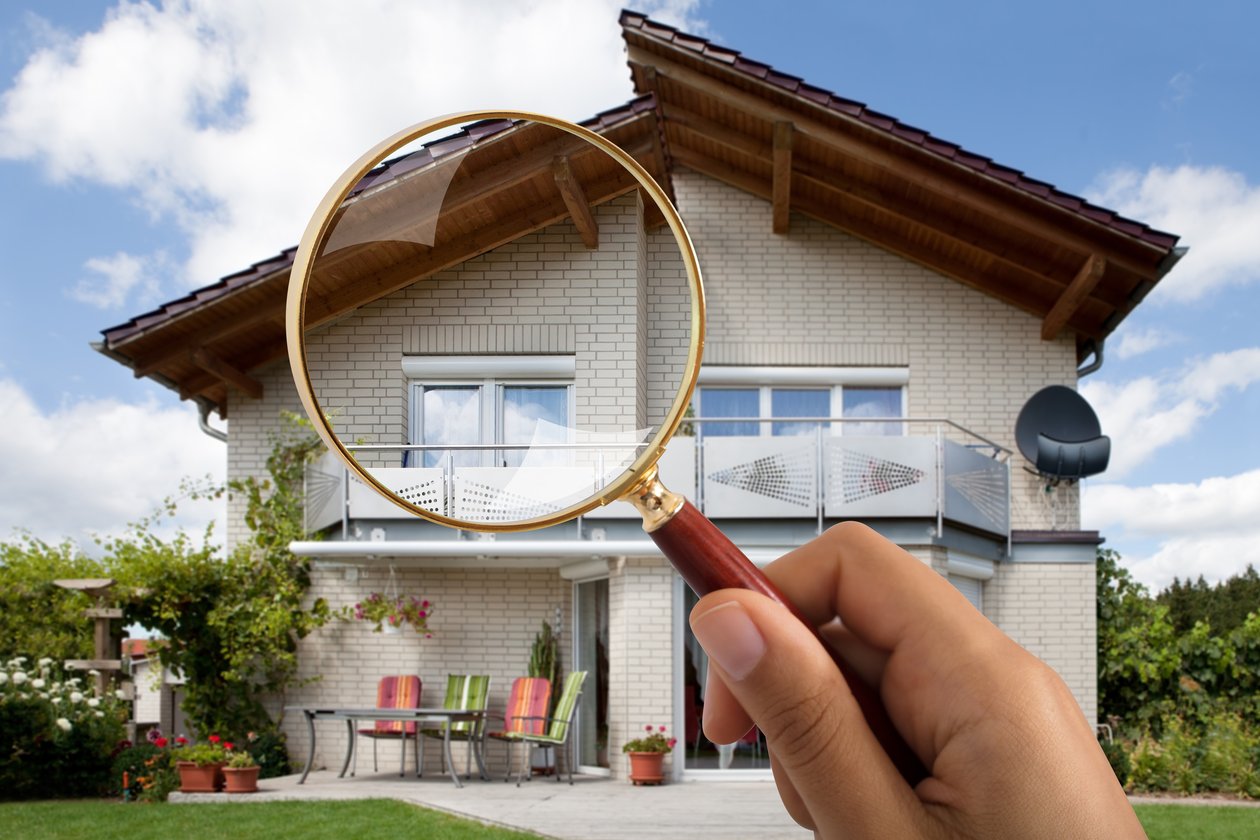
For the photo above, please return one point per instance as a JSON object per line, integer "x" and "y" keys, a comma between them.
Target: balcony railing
{"x": 839, "y": 468}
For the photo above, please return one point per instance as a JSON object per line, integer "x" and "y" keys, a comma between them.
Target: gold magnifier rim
{"x": 321, "y": 225}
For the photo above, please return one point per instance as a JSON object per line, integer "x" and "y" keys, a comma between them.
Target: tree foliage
{"x": 1151, "y": 669}
{"x": 1224, "y": 606}
{"x": 232, "y": 624}
{"x": 36, "y": 617}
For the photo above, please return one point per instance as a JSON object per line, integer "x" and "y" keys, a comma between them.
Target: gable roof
{"x": 1078, "y": 267}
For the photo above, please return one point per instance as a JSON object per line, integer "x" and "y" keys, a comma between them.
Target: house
{"x": 157, "y": 691}
{"x": 881, "y": 303}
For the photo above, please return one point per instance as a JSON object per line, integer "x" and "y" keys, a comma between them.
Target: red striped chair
{"x": 399, "y": 692}
{"x": 526, "y": 713}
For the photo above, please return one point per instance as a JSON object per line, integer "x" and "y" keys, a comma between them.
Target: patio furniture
{"x": 463, "y": 691}
{"x": 559, "y": 726}
{"x": 525, "y": 713}
{"x": 396, "y": 692}
{"x": 421, "y": 715}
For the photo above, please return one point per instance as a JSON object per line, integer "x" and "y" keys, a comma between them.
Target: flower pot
{"x": 647, "y": 768}
{"x": 241, "y": 779}
{"x": 199, "y": 778}
{"x": 391, "y": 629}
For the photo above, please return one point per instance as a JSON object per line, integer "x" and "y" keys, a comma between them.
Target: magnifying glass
{"x": 496, "y": 319}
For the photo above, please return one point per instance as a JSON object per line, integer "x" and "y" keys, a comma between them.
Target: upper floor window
{"x": 798, "y": 398}
{"x": 524, "y": 400}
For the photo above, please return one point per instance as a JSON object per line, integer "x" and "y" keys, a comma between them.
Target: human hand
{"x": 1008, "y": 751}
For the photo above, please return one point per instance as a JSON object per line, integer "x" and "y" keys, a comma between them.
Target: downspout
{"x": 203, "y": 422}
{"x": 1166, "y": 265}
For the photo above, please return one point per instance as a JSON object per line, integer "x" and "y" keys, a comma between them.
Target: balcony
{"x": 823, "y": 471}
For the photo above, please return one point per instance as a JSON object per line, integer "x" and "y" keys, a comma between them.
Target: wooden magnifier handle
{"x": 708, "y": 561}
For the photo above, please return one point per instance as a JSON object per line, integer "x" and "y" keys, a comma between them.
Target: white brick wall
{"x": 1049, "y": 608}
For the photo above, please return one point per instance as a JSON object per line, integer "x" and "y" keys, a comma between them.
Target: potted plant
{"x": 241, "y": 772}
{"x": 201, "y": 766}
{"x": 647, "y": 755}
{"x": 391, "y": 614}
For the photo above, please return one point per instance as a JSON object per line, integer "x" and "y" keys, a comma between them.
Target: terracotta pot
{"x": 647, "y": 768}
{"x": 241, "y": 779}
{"x": 203, "y": 778}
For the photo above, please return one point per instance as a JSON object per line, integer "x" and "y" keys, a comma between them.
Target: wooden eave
{"x": 210, "y": 343}
{"x": 1078, "y": 267}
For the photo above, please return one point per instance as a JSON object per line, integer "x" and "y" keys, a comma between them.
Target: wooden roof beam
{"x": 782, "y": 191}
{"x": 576, "y": 202}
{"x": 220, "y": 369}
{"x": 924, "y": 176}
{"x": 939, "y": 263}
{"x": 1073, "y": 296}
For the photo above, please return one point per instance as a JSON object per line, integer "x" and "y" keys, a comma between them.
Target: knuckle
{"x": 804, "y": 728}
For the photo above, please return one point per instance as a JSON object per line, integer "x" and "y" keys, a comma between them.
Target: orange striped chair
{"x": 526, "y": 713}
{"x": 399, "y": 692}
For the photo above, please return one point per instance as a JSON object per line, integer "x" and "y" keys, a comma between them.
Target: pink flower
{"x": 671, "y": 742}
{"x": 662, "y": 729}
{"x": 647, "y": 728}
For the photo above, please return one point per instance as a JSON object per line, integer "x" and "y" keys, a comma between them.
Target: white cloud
{"x": 232, "y": 117}
{"x": 1146, "y": 414}
{"x": 93, "y": 466}
{"x": 1210, "y": 528}
{"x": 116, "y": 277}
{"x": 1216, "y": 212}
{"x": 1135, "y": 342}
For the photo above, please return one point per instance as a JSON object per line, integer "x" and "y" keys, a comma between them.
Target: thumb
{"x": 787, "y": 683}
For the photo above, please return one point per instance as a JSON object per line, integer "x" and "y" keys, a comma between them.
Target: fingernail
{"x": 730, "y": 638}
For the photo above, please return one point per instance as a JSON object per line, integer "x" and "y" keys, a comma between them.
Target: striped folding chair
{"x": 526, "y": 713}
{"x": 558, "y": 727}
{"x": 398, "y": 692}
{"x": 463, "y": 691}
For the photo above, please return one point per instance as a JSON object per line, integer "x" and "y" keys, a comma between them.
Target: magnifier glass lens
{"x": 497, "y": 321}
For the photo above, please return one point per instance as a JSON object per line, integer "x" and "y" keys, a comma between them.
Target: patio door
{"x": 590, "y": 634}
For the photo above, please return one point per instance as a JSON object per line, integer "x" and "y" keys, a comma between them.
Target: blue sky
{"x": 147, "y": 149}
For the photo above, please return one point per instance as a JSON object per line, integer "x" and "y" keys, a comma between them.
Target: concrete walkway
{"x": 592, "y": 809}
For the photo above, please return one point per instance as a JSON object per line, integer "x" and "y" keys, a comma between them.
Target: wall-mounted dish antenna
{"x": 1059, "y": 433}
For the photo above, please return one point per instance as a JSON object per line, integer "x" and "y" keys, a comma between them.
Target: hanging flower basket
{"x": 390, "y": 614}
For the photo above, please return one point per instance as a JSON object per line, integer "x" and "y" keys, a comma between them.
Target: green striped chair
{"x": 463, "y": 691}
{"x": 558, "y": 727}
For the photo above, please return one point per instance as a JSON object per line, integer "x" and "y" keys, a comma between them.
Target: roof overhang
{"x": 1077, "y": 267}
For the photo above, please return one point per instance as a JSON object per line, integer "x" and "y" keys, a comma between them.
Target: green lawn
{"x": 1199, "y": 822}
{"x": 369, "y": 819}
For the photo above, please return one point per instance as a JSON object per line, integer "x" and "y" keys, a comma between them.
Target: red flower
{"x": 227, "y": 745}
{"x": 214, "y": 739}
{"x": 181, "y": 740}
{"x": 159, "y": 742}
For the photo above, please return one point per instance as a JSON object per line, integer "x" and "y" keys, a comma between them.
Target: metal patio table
{"x": 438, "y": 716}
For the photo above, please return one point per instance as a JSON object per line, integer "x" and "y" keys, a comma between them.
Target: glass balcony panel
{"x": 761, "y": 477}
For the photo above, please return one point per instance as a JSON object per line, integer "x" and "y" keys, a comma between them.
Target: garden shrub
{"x": 271, "y": 752}
{"x": 1227, "y": 756}
{"x": 56, "y": 741}
{"x": 1118, "y": 757}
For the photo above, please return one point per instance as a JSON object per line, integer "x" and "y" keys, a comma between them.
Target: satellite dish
{"x": 1058, "y": 431}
